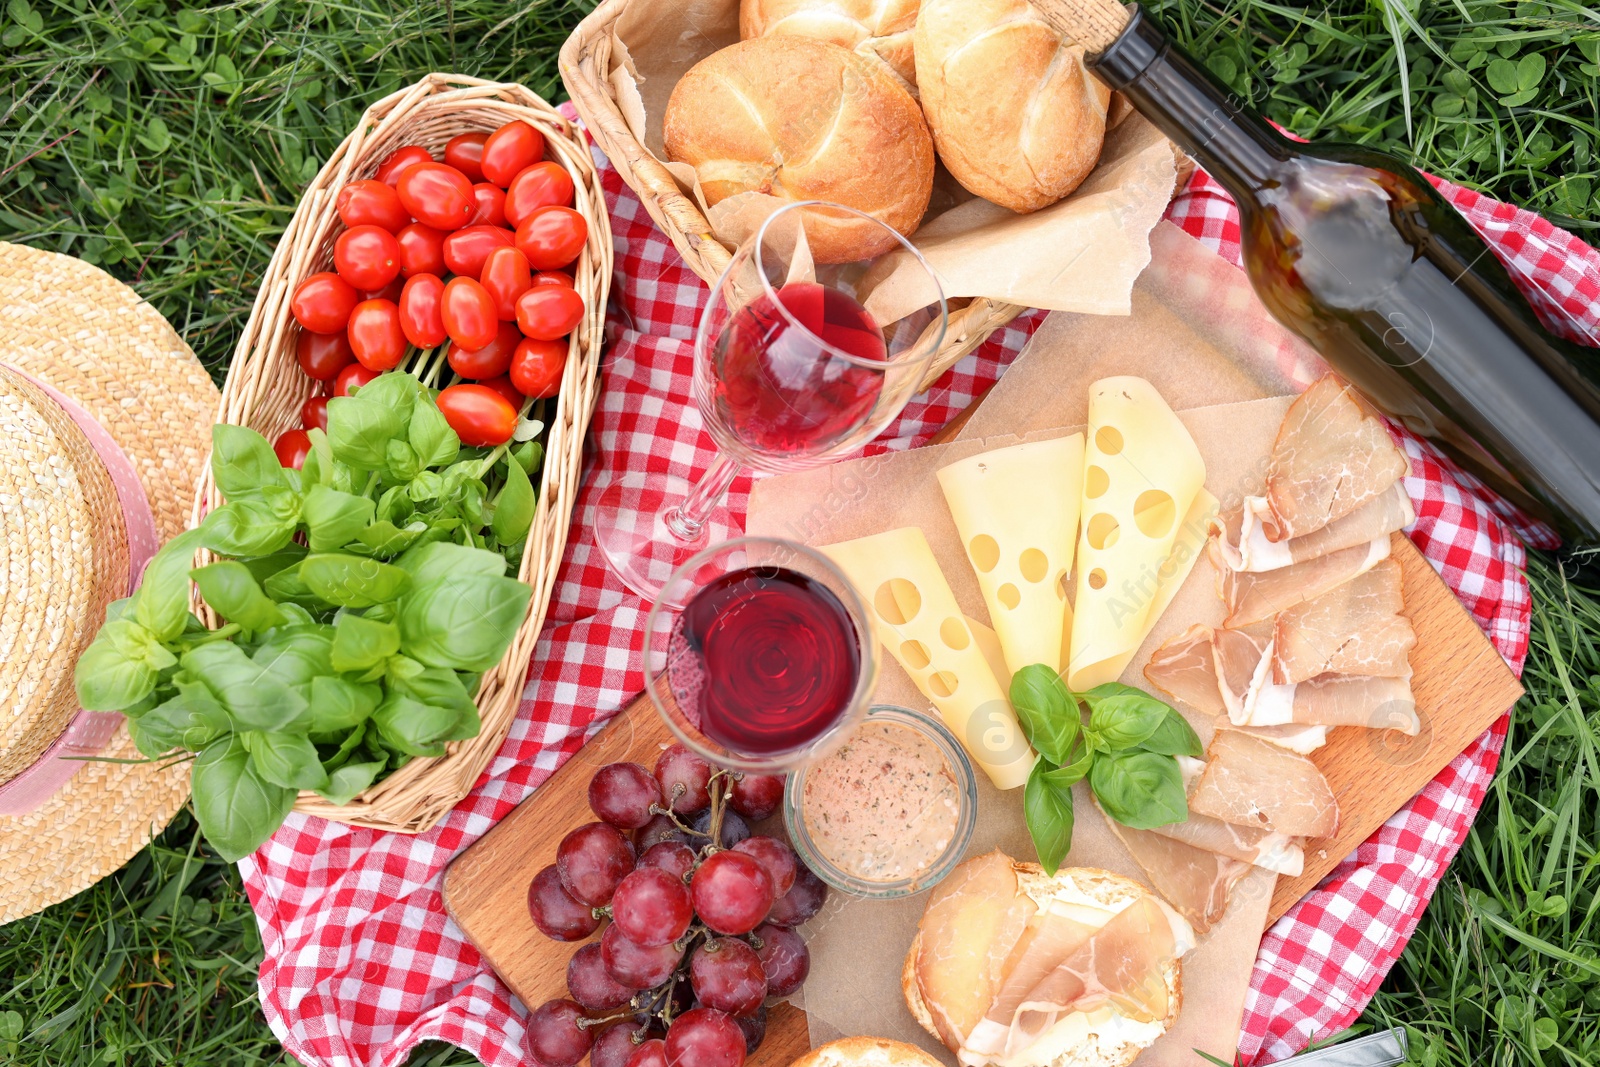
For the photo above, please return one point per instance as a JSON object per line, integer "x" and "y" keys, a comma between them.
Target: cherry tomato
{"x": 372, "y": 203}
{"x": 465, "y": 250}
{"x": 314, "y": 413}
{"x": 547, "y": 312}
{"x": 422, "y": 311}
{"x": 323, "y": 355}
{"x": 389, "y": 292}
{"x": 506, "y": 277}
{"x": 536, "y": 366}
{"x": 481, "y": 417}
{"x": 368, "y": 257}
{"x": 436, "y": 194}
{"x": 503, "y": 386}
{"x": 465, "y": 153}
{"x": 552, "y": 237}
{"x": 323, "y": 302}
{"x": 400, "y": 159}
{"x": 421, "y": 250}
{"x": 491, "y": 205}
{"x": 375, "y": 335}
{"x": 541, "y": 185}
{"x": 294, "y": 446}
{"x": 469, "y": 316}
{"x": 351, "y": 378}
{"x": 510, "y": 150}
{"x": 489, "y": 361}
{"x": 553, "y": 277}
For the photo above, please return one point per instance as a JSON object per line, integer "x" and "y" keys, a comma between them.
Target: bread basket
{"x": 586, "y": 66}
{"x": 265, "y": 388}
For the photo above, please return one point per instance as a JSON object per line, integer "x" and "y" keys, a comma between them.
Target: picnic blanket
{"x": 361, "y": 962}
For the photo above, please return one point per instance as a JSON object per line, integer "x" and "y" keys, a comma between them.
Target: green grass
{"x": 168, "y": 142}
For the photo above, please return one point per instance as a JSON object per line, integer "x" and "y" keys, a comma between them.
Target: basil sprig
{"x": 1127, "y": 751}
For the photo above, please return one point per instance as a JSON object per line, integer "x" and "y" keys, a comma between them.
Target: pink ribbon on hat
{"x": 89, "y": 731}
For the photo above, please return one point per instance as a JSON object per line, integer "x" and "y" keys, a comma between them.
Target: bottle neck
{"x": 1187, "y": 103}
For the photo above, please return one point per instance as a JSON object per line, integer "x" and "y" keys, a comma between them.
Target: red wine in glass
{"x": 764, "y": 660}
{"x": 778, "y": 390}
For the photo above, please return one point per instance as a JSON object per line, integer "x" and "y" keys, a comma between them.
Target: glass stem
{"x": 686, "y": 521}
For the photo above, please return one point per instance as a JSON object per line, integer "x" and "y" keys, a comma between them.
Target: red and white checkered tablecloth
{"x": 361, "y": 960}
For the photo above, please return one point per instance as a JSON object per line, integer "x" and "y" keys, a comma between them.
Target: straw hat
{"x": 105, "y": 419}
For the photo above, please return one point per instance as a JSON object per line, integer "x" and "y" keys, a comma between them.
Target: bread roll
{"x": 804, "y": 120}
{"x": 1016, "y": 117}
{"x": 878, "y": 29}
{"x": 866, "y": 1052}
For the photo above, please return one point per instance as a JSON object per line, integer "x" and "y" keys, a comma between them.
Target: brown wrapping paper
{"x": 1224, "y": 376}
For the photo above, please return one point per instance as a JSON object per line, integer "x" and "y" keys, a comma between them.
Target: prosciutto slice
{"x": 1185, "y": 669}
{"x": 1253, "y": 596}
{"x": 1051, "y": 936}
{"x": 1266, "y": 849}
{"x": 1239, "y": 541}
{"x": 1355, "y": 628}
{"x": 1196, "y": 882}
{"x": 1296, "y": 738}
{"x": 1254, "y": 783}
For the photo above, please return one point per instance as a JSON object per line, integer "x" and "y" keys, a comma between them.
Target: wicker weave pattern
{"x": 265, "y": 389}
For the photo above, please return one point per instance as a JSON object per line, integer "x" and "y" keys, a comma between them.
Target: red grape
{"x": 803, "y": 900}
{"x": 621, "y": 794}
{"x": 784, "y": 957}
{"x": 705, "y": 1037}
{"x": 757, "y": 796}
{"x": 754, "y": 1027}
{"x": 652, "y": 1053}
{"x": 660, "y": 828}
{"x": 777, "y": 857}
{"x": 554, "y": 1037}
{"x": 637, "y": 966}
{"x": 652, "y": 907}
{"x": 734, "y": 828}
{"x": 726, "y": 974}
{"x": 592, "y": 859}
{"x": 614, "y": 1045}
{"x": 731, "y": 892}
{"x": 674, "y": 857}
{"x": 554, "y": 912}
{"x": 589, "y": 983}
{"x": 677, "y": 767}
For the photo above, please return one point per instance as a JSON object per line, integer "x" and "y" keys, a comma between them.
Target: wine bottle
{"x": 1356, "y": 252}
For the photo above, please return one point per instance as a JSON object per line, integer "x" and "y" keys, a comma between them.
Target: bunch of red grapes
{"x": 473, "y": 251}
{"x": 702, "y": 916}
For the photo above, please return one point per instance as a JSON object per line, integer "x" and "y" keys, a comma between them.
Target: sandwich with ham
{"x": 1012, "y": 967}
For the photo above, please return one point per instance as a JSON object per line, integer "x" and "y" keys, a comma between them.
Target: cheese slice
{"x": 918, "y": 621}
{"x": 1142, "y": 478}
{"x": 1017, "y": 511}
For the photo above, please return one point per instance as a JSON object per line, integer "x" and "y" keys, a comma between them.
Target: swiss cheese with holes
{"x": 1142, "y": 478}
{"x": 917, "y": 619}
{"x": 1017, "y": 511}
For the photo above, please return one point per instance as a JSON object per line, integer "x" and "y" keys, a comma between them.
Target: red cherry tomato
{"x": 323, "y": 302}
{"x": 294, "y": 446}
{"x": 372, "y": 203}
{"x": 465, "y": 250}
{"x": 351, "y": 378}
{"x": 437, "y": 195}
{"x": 422, "y": 311}
{"x": 553, "y": 277}
{"x": 541, "y": 185}
{"x": 375, "y": 335}
{"x": 421, "y": 250}
{"x": 398, "y": 160}
{"x": 491, "y": 205}
{"x": 465, "y": 153}
{"x": 503, "y": 386}
{"x": 314, "y": 413}
{"x": 536, "y": 367}
{"x": 368, "y": 257}
{"x": 547, "y": 312}
{"x": 510, "y": 150}
{"x": 489, "y": 361}
{"x": 469, "y": 316}
{"x": 323, "y": 355}
{"x": 551, "y": 237}
{"x": 389, "y": 292}
{"x": 481, "y": 417}
{"x": 506, "y": 277}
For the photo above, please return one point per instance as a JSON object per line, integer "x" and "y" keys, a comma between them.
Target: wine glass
{"x": 793, "y": 368}
{"x": 760, "y": 655}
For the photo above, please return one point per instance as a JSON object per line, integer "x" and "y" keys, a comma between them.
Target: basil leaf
{"x": 432, "y": 439}
{"x": 242, "y": 462}
{"x": 528, "y": 455}
{"x": 427, "y": 485}
{"x": 163, "y": 604}
{"x": 338, "y": 705}
{"x": 441, "y": 559}
{"x": 1125, "y": 720}
{"x": 1048, "y": 713}
{"x": 189, "y": 719}
{"x": 359, "y": 429}
{"x": 296, "y": 655}
{"x": 513, "y": 510}
{"x": 286, "y": 588}
{"x": 334, "y": 518}
{"x": 384, "y": 538}
{"x": 323, "y": 471}
{"x": 396, "y": 391}
{"x": 345, "y": 783}
{"x": 352, "y": 581}
{"x": 237, "y": 809}
{"x": 285, "y": 759}
{"x": 444, "y": 689}
{"x": 257, "y": 527}
{"x": 253, "y": 697}
{"x": 232, "y": 592}
{"x": 1174, "y": 737}
{"x": 264, "y": 567}
{"x": 1139, "y": 789}
{"x": 464, "y": 621}
{"x": 360, "y": 643}
{"x": 1074, "y": 772}
{"x": 400, "y": 462}
{"x": 1047, "y": 807}
{"x": 346, "y": 747}
{"x": 413, "y": 727}
{"x": 120, "y": 667}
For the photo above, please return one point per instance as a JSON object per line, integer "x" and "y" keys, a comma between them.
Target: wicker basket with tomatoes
{"x": 458, "y": 241}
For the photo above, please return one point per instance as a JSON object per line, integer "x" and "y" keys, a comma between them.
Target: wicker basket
{"x": 586, "y": 72}
{"x": 265, "y": 388}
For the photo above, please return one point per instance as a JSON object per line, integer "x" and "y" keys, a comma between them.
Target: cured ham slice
{"x": 1185, "y": 670}
{"x": 1052, "y": 935}
{"x": 1332, "y": 455}
{"x": 1339, "y": 700}
{"x": 1252, "y": 782}
{"x": 1253, "y": 596}
{"x": 1197, "y": 883}
{"x": 1239, "y": 540}
{"x": 1266, "y": 849}
{"x": 1355, "y": 628}
{"x": 1295, "y": 738}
